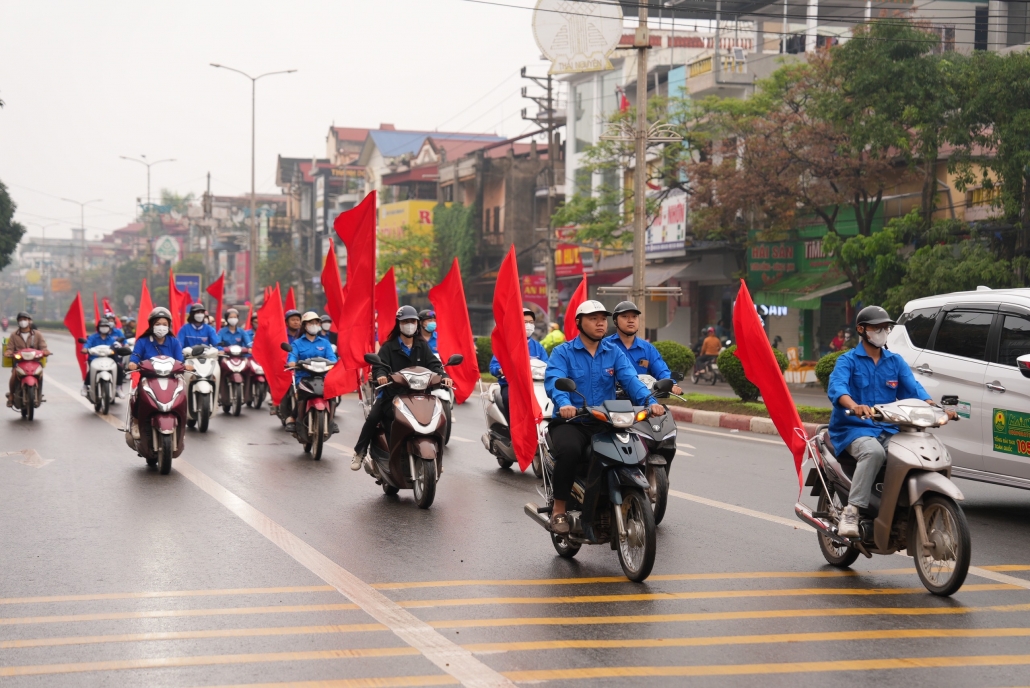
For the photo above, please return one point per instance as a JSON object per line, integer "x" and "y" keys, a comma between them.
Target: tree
{"x": 454, "y": 236}
{"x": 11, "y": 231}
{"x": 408, "y": 254}
{"x": 176, "y": 202}
{"x": 128, "y": 280}
{"x": 279, "y": 266}
{"x": 192, "y": 264}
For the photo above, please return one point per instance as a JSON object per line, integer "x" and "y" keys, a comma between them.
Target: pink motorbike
{"x": 28, "y": 393}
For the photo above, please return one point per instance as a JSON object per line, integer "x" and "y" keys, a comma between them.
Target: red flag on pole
{"x": 271, "y": 333}
{"x": 578, "y": 297}
{"x": 386, "y": 305}
{"x": 357, "y": 228}
{"x": 96, "y": 310}
{"x": 217, "y": 290}
{"x": 455, "y": 337}
{"x": 142, "y": 316}
{"x": 512, "y": 352}
{"x": 109, "y": 312}
{"x": 290, "y": 304}
{"x": 762, "y": 369}
{"x": 178, "y": 303}
{"x": 75, "y": 321}
{"x": 250, "y": 313}
{"x": 340, "y": 380}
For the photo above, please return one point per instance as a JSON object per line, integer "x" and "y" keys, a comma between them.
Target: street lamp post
{"x": 82, "y": 223}
{"x": 142, "y": 160}
{"x": 253, "y": 197}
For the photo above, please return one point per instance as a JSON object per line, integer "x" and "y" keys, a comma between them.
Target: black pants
{"x": 505, "y": 410}
{"x": 702, "y": 361}
{"x": 569, "y": 442}
{"x": 382, "y": 410}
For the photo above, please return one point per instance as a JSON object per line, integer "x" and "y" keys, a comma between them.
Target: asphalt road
{"x": 252, "y": 564}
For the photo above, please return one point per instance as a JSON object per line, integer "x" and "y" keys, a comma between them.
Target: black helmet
{"x": 427, "y": 314}
{"x": 326, "y": 318}
{"x": 290, "y": 313}
{"x": 159, "y": 312}
{"x": 104, "y": 320}
{"x": 526, "y": 310}
{"x": 626, "y": 307}
{"x": 22, "y": 315}
{"x": 197, "y": 308}
{"x": 873, "y": 315}
{"x": 407, "y": 313}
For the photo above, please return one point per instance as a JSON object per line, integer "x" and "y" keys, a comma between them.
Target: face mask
{"x": 199, "y": 318}
{"x": 431, "y": 327}
{"x": 326, "y": 327}
{"x": 408, "y": 329}
{"x": 313, "y": 329}
{"x": 160, "y": 331}
{"x": 530, "y": 329}
{"x": 23, "y": 324}
{"x": 232, "y": 321}
{"x": 105, "y": 330}
{"x": 877, "y": 339}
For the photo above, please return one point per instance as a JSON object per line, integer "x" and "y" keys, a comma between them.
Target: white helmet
{"x": 591, "y": 307}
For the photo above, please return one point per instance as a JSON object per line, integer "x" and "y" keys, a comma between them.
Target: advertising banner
{"x": 189, "y": 283}
{"x": 1011, "y": 432}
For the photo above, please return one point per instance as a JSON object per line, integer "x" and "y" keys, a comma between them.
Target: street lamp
{"x": 148, "y": 163}
{"x": 82, "y": 223}
{"x": 43, "y": 227}
{"x": 253, "y": 199}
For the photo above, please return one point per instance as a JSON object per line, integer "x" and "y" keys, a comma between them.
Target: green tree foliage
{"x": 176, "y": 202}
{"x": 679, "y": 358}
{"x": 825, "y": 367}
{"x": 11, "y": 232}
{"x": 409, "y": 256}
{"x": 733, "y": 372}
{"x": 128, "y": 280}
{"x": 280, "y": 266}
{"x": 484, "y": 352}
{"x": 454, "y": 236}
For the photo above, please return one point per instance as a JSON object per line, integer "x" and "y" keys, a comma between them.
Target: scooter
{"x": 256, "y": 385}
{"x": 710, "y": 371}
{"x": 103, "y": 374}
{"x": 609, "y": 502}
{"x": 28, "y": 393}
{"x": 233, "y": 374}
{"x": 497, "y": 438}
{"x": 314, "y": 418}
{"x": 156, "y": 429}
{"x": 446, "y": 397}
{"x": 411, "y": 456}
{"x": 201, "y": 385}
{"x": 913, "y": 505}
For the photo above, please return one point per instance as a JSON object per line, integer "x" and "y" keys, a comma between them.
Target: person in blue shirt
{"x": 595, "y": 364}
{"x": 232, "y": 334}
{"x": 863, "y": 377}
{"x": 310, "y": 345}
{"x": 427, "y": 326}
{"x": 293, "y": 325}
{"x": 536, "y": 350}
{"x": 106, "y": 335}
{"x": 197, "y": 330}
{"x": 156, "y": 340}
{"x": 640, "y": 352}
{"x": 327, "y": 329}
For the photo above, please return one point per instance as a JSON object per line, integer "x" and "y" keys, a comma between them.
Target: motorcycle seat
{"x": 843, "y": 464}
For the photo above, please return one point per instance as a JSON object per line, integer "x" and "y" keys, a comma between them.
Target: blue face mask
{"x": 430, "y": 327}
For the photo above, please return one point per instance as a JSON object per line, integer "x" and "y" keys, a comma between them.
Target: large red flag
{"x": 217, "y": 290}
{"x": 290, "y": 304}
{"x": 578, "y": 297}
{"x": 455, "y": 337}
{"x": 75, "y": 321}
{"x": 512, "y": 352}
{"x": 357, "y": 228}
{"x": 386, "y": 305}
{"x": 178, "y": 303}
{"x": 109, "y": 312}
{"x": 96, "y": 310}
{"x": 761, "y": 368}
{"x": 340, "y": 379}
{"x": 142, "y": 317}
{"x": 250, "y": 312}
{"x": 271, "y": 333}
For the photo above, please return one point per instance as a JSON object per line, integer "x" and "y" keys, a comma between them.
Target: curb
{"x": 731, "y": 421}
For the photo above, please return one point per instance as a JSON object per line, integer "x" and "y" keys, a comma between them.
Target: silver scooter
{"x": 103, "y": 374}
{"x": 497, "y": 438}
{"x": 913, "y": 506}
{"x": 201, "y": 385}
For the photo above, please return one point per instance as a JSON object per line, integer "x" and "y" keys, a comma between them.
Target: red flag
{"x": 267, "y": 351}
{"x": 512, "y": 352}
{"x": 291, "y": 302}
{"x": 109, "y": 312}
{"x": 250, "y": 313}
{"x": 142, "y": 316}
{"x": 357, "y": 228}
{"x": 75, "y": 321}
{"x": 578, "y": 297}
{"x": 178, "y": 303}
{"x": 340, "y": 379}
{"x": 96, "y": 310}
{"x": 455, "y": 337}
{"x": 760, "y": 367}
{"x": 217, "y": 290}
{"x": 386, "y": 305}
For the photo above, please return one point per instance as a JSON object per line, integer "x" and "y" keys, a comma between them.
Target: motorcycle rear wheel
{"x": 164, "y": 460}
{"x": 835, "y": 555}
{"x": 204, "y": 413}
{"x": 504, "y": 463}
{"x": 637, "y": 551}
{"x": 259, "y": 396}
{"x": 564, "y": 548}
{"x": 948, "y": 530}
{"x": 390, "y": 489}
{"x": 424, "y": 482}
{"x": 659, "y": 481}
{"x": 538, "y": 470}
{"x": 317, "y": 436}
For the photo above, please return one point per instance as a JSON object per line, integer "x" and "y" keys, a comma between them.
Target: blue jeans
{"x": 869, "y": 453}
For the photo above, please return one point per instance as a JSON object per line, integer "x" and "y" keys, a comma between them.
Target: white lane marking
{"x": 995, "y": 576}
{"x": 347, "y": 451}
{"x": 734, "y": 436}
{"x": 684, "y": 445}
{"x": 29, "y": 457}
{"x": 795, "y": 524}
{"x": 74, "y": 394}
{"x": 460, "y": 439}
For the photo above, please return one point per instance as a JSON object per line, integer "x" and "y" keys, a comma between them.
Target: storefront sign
{"x": 667, "y": 235}
{"x": 567, "y": 259}
{"x": 577, "y": 36}
{"x": 767, "y": 263}
{"x": 393, "y": 217}
{"x": 534, "y": 290}
{"x": 59, "y": 284}
{"x": 1011, "y": 432}
{"x": 167, "y": 248}
{"x": 320, "y": 204}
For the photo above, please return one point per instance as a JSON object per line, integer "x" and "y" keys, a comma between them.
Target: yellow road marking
{"x": 166, "y": 613}
{"x": 693, "y": 595}
{"x": 166, "y": 593}
{"x": 1007, "y": 567}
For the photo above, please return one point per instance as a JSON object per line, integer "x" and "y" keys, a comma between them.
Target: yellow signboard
{"x": 394, "y": 216}
{"x": 59, "y": 284}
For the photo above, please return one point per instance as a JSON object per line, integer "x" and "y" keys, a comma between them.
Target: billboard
{"x": 189, "y": 283}
{"x": 394, "y": 216}
{"x": 667, "y": 235}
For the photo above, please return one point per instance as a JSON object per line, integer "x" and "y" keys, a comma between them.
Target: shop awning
{"x": 654, "y": 275}
{"x": 803, "y": 290}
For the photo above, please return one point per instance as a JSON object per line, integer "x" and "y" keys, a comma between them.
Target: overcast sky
{"x": 85, "y": 82}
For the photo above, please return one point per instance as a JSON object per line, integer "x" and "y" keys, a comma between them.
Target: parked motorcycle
{"x": 609, "y": 500}
{"x": 314, "y": 420}
{"x": 411, "y": 456}
{"x": 28, "y": 394}
{"x": 156, "y": 428}
{"x": 103, "y": 374}
{"x": 497, "y": 438}
{"x": 201, "y": 385}
{"x": 659, "y": 436}
{"x": 234, "y": 367}
{"x": 913, "y": 505}
{"x": 256, "y": 385}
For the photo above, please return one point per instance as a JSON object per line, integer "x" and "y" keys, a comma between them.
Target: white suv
{"x": 965, "y": 345}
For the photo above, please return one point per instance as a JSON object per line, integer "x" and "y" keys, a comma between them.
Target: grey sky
{"x": 85, "y": 82}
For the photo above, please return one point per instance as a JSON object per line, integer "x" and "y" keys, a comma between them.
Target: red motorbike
{"x": 28, "y": 393}
{"x": 158, "y": 407}
{"x": 314, "y": 412}
{"x": 235, "y": 369}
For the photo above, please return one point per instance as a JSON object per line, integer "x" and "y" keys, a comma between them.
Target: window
{"x": 964, "y": 333}
{"x": 1017, "y": 25}
{"x": 497, "y": 219}
{"x": 980, "y": 28}
{"x": 583, "y": 115}
{"x": 1015, "y": 340}
{"x": 919, "y": 325}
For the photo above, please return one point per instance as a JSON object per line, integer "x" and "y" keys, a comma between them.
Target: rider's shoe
{"x": 560, "y": 524}
{"x": 84, "y": 391}
{"x": 848, "y": 526}
{"x": 10, "y": 401}
{"x": 291, "y": 427}
{"x": 334, "y": 428}
{"x": 120, "y": 392}
{"x": 355, "y": 463}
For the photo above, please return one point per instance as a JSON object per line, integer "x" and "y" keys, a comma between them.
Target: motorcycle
{"x": 234, "y": 369}
{"x": 913, "y": 506}
{"x": 256, "y": 386}
{"x": 201, "y": 385}
{"x": 446, "y": 397}
{"x": 609, "y": 502}
{"x": 411, "y": 456}
{"x": 156, "y": 427}
{"x": 709, "y": 372}
{"x": 103, "y": 374}
{"x": 497, "y": 438}
{"x": 28, "y": 394}
{"x": 314, "y": 420}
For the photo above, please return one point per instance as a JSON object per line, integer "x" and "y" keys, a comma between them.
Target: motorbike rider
{"x": 232, "y": 334}
{"x": 155, "y": 341}
{"x": 327, "y": 329}
{"x": 106, "y": 335}
{"x": 863, "y": 377}
{"x": 710, "y": 348}
{"x": 129, "y": 327}
{"x": 427, "y": 325}
{"x": 292, "y": 325}
{"x": 405, "y": 348}
{"x": 595, "y": 364}
{"x": 253, "y": 325}
{"x": 536, "y": 350}
{"x": 197, "y": 330}
{"x": 25, "y": 337}
{"x": 310, "y": 345}
{"x": 553, "y": 338}
{"x": 641, "y": 353}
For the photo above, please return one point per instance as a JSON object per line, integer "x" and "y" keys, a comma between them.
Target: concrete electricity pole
{"x": 642, "y": 42}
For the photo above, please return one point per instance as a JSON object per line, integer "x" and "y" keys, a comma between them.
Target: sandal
{"x": 560, "y": 524}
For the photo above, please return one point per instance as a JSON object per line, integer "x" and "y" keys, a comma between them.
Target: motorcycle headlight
{"x": 417, "y": 381}
{"x": 622, "y": 419}
{"x": 921, "y": 416}
{"x": 28, "y": 355}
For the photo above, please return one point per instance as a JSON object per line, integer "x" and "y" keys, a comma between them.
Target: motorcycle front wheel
{"x": 658, "y": 479}
{"x": 204, "y": 413}
{"x": 164, "y": 460}
{"x": 317, "y": 430}
{"x": 839, "y": 556}
{"x": 638, "y": 548}
{"x": 694, "y": 377}
{"x": 424, "y": 482}
{"x": 942, "y": 560}
{"x": 105, "y": 398}
{"x": 237, "y": 402}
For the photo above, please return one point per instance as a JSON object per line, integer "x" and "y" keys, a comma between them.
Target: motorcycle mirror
{"x": 565, "y": 384}
{"x": 677, "y": 377}
{"x": 123, "y": 351}
{"x": 82, "y": 340}
{"x": 949, "y": 400}
{"x": 1023, "y": 363}
{"x": 664, "y": 386}
{"x": 198, "y": 350}
{"x": 373, "y": 359}
{"x": 288, "y": 348}
{"x": 454, "y": 360}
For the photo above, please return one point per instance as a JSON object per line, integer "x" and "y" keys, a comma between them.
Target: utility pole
{"x": 642, "y": 42}
{"x": 82, "y": 223}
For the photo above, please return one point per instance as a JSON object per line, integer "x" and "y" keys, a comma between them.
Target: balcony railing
{"x": 728, "y": 64}
{"x": 700, "y": 66}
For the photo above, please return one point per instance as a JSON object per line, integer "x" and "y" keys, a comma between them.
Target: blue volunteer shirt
{"x": 240, "y": 337}
{"x": 868, "y": 384}
{"x": 644, "y": 357}
{"x": 432, "y": 343}
{"x": 147, "y": 348}
{"x": 595, "y": 376}
{"x": 304, "y": 348}
{"x": 191, "y": 335}
{"x": 97, "y": 339}
{"x": 536, "y": 350}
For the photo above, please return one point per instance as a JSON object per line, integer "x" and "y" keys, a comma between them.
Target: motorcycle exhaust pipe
{"x": 533, "y": 511}
{"x": 827, "y": 529}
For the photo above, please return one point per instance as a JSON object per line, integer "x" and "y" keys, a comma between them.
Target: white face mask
{"x": 408, "y": 329}
{"x": 104, "y": 330}
{"x": 313, "y": 329}
{"x": 160, "y": 331}
{"x": 877, "y": 339}
{"x": 326, "y": 327}
{"x": 530, "y": 329}
{"x": 198, "y": 318}
{"x": 23, "y": 324}
{"x": 232, "y": 321}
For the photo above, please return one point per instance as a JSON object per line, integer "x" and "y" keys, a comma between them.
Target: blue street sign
{"x": 190, "y": 283}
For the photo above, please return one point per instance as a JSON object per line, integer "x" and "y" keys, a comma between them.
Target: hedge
{"x": 484, "y": 352}
{"x": 679, "y": 358}
{"x": 733, "y": 372}
{"x": 825, "y": 367}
